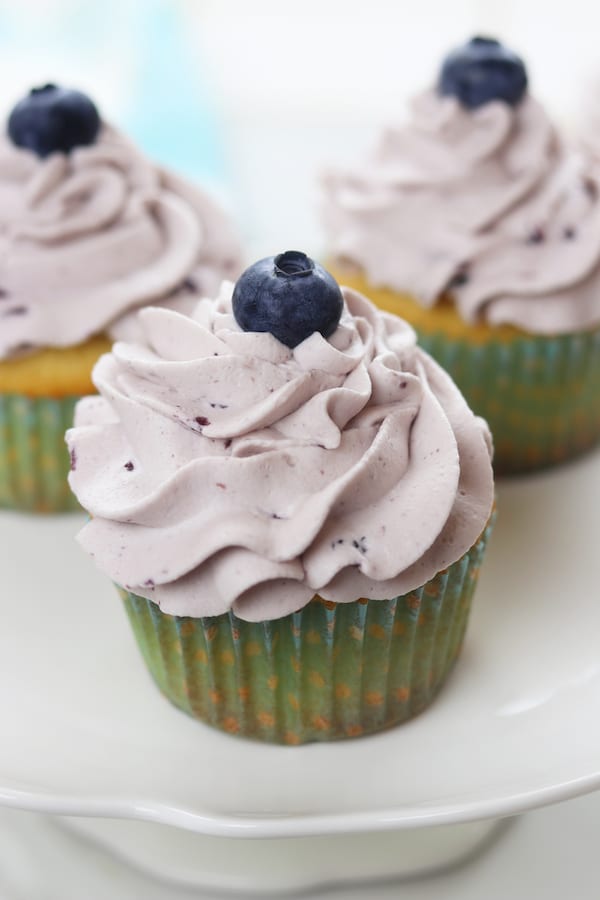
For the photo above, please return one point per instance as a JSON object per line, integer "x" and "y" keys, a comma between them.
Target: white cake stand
{"x": 86, "y": 735}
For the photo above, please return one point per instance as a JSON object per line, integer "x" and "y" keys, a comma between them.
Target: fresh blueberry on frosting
{"x": 53, "y": 119}
{"x": 483, "y": 70}
{"x": 289, "y": 295}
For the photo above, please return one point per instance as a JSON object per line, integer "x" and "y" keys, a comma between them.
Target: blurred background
{"x": 254, "y": 98}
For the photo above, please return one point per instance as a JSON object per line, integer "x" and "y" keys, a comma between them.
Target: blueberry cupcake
{"x": 294, "y": 500}
{"x": 90, "y": 230}
{"x": 475, "y": 223}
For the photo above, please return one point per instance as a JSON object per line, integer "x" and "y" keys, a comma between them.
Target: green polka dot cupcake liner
{"x": 34, "y": 461}
{"x": 540, "y": 395}
{"x": 327, "y": 672}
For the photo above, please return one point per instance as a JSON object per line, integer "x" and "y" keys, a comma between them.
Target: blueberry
{"x": 52, "y": 119}
{"x": 483, "y": 70}
{"x": 289, "y": 295}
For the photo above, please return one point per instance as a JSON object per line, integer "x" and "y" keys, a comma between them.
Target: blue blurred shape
{"x": 171, "y": 115}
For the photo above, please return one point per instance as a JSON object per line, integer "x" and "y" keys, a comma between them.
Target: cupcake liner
{"x": 329, "y": 671}
{"x": 540, "y": 395}
{"x": 34, "y": 461}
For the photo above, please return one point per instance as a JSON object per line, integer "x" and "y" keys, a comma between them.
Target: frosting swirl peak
{"x": 486, "y": 204}
{"x": 88, "y": 236}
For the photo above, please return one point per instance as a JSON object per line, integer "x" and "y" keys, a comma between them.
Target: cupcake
{"x": 475, "y": 223}
{"x": 90, "y": 230}
{"x": 293, "y": 499}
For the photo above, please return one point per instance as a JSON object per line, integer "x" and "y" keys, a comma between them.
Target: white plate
{"x": 39, "y": 860}
{"x": 275, "y": 867}
{"x": 85, "y": 732}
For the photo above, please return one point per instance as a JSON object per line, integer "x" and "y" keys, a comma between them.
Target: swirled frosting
{"x": 224, "y": 470}
{"x": 486, "y": 204}
{"x": 88, "y": 236}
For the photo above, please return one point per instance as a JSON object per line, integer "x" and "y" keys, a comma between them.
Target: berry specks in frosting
{"x": 190, "y": 285}
{"x": 537, "y": 236}
{"x": 289, "y": 295}
{"x": 51, "y": 119}
{"x": 483, "y": 70}
{"x": 591, "y": 188}
{"x": 129, "y": 466}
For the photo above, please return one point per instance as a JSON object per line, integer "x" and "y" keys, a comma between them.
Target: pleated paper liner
{"x": 329, "y": 671}
{"x": 539, "y": 395}
{"x": 34, "y": 461}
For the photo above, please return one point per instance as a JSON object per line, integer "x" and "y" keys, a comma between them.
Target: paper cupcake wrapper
{"x": 34, "y": 461}
{"x": 326, "y": 672}
{"x": 540, "y": 395}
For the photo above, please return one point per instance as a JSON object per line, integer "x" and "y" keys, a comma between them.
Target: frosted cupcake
{"x": 476, "y": 224}
{"x": 90, "y": 230}
{"x": 294, "y": 500}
